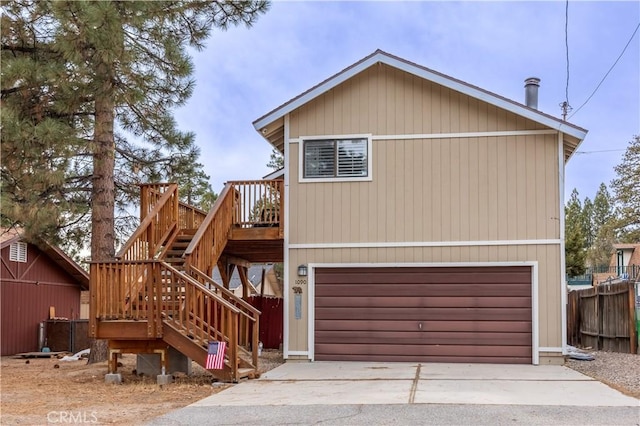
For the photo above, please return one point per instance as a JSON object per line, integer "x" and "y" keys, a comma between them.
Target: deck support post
{"x": 163, "y": 378}
{"x": 113, "y": 376}
{"x": 113, "y": 360}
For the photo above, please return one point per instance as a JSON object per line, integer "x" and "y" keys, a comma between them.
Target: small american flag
{"x": 215, "y": 355}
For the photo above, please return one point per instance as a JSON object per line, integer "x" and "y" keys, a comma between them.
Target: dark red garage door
{"x": 427, "y": 314}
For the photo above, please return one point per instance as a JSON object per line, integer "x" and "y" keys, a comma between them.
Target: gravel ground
{"x": 620, "y": 371}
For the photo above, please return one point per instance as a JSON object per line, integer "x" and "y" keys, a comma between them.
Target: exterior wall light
{"x": 302, "y": 270}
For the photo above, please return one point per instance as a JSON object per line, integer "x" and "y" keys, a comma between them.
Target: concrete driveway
{"x": 398, "y": 392}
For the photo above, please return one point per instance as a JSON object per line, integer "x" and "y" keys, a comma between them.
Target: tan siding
{"x": 424, "y": 190}
{"x": 547, "y": 256}
{"x": 460, "y": 189}
{"x": 384, "y": 101}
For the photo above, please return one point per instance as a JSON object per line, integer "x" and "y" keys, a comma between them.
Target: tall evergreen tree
{"x": 81, "y": 80}
{"x": 587, "y": 225}
{"x": 88, "y": 86}
{"x": 603, "y": 211}
{"x": 574, "y": 237}
{"x": 626, "y": 187}
{"x": 603, "y": 220}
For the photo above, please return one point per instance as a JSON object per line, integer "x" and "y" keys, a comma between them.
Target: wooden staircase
{"x": 159, "y": 292}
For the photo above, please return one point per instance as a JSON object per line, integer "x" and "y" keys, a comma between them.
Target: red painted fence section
{"x": 271, "y": 319}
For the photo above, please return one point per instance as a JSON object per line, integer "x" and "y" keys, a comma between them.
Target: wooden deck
{"x": 159, "y": 291}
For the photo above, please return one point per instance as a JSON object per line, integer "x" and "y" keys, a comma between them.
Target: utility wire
{"x": 566, "y": 45}
{"x": 610, "y": 69}
{"x": 602, "y": 150}
{"x": 565, "y": 105}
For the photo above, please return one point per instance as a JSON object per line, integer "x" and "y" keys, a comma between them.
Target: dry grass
{"x": 38, "y": 392}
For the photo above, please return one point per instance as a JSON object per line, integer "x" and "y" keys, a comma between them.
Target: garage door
{"x": 429, "y": 314}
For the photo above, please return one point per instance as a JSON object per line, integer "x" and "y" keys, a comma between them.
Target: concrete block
{"x": 164, "y": 379}
{"x": 149, "y": 364}
{"x": 115, "y": 378}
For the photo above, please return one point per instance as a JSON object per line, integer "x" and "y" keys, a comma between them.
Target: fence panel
{"x": 602, "y": 318}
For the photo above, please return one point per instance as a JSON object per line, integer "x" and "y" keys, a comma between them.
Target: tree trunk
{"x": 103, "y": 193}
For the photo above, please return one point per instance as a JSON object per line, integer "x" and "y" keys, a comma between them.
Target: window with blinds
{"x": 18, "y": 252}
{"x": 335, "y": 158}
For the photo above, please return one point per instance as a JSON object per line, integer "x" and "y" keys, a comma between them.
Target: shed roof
{"x": 11, "y": 235}
{"x": 271, "y": 125}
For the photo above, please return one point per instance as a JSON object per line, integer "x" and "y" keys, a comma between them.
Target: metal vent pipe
{"x": 531, "y": 86}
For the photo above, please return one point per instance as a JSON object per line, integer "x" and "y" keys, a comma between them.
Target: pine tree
{"x": 574, "y": 237}
{"x": 88, "y": 88}
{"x": 603, "y": 220}
{"x": 276, "y": 160}
{"x": 587, "y": 225}
{"x": 92, "y": 85}
{"x": 603, "y": 211}
{"x": 627, "y": 191}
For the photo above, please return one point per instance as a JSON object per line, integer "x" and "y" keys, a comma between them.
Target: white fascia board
{"x": 312, "y": 94}
{"x": 428, "y": 75}
{"x": 486, "y": 97}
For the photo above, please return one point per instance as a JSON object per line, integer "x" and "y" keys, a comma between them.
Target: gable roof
{"x": 271, "y": 127}
{"x": 254, "y": 274}
{"x": 11, "y": 235}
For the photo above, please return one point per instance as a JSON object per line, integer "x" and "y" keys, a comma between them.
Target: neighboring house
{"x": 624, "y": 264}
{"x": 254, "y": 276}
{"x": 423, "y": 219}
{"x": 36, "y": 282}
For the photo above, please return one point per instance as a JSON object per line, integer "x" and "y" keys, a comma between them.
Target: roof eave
{"x": 420, "y": 71}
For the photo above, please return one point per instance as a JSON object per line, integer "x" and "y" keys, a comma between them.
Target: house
{"x": 37, "y": 282}
{"x": 420, "y": 219}
{"x": 624, "y": 265}
{"x": 423, "y": 219}
{"x": 254, "y": 278}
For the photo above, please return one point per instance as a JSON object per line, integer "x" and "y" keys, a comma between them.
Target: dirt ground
{"x": 40, "y": 391}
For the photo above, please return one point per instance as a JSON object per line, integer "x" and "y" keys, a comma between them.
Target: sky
{"x": 244, "y": 73}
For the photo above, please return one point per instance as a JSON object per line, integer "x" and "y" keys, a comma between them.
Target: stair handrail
{"x": 201, "y": 318}
{"x": 228, "y": 293}
{"x": 248, "y": 312}
{"x": 200, "y": 286}
{"x": 209, "y": 240}
{"x": 145, "y": 233}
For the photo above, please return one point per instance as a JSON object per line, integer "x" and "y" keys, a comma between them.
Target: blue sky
{"x": 245, "y": 73}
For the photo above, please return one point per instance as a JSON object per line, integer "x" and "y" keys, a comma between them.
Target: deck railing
{"x": 156, "y": 226}
{"x": 138, "y": 286}
{"x": 248, "y": 325}
{"x": 260, "y": 203}
{"x": 166, "y": 295}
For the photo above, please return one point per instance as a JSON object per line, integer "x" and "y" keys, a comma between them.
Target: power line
{"x": 602, "y": 150}
{"x": 610, "y": 69}
{"x": 566, "y": 108}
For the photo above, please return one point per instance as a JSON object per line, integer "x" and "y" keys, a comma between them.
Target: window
{"x": 336, "y": 158}
{"x": 18, "y": 252}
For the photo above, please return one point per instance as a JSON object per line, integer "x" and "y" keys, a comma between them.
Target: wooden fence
{"x": 603, "y": 318}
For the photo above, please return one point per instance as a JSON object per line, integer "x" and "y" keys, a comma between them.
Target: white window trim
{"x": 302, "y": 140}
{"x": 18, "y": 252}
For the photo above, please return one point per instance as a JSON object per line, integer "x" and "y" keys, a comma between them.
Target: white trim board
{"x": 535, "y": 357}
{"x": 392, "y": 244}
{"x": 285, "y": 278}
{"x": 549, "y": 349}
{"x": 449, "y": 135}
{"x": 563, "y": 267}
{"x": 427, "y": 74}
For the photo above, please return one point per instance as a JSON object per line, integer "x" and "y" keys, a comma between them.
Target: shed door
{"x": 424, "y": 314}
